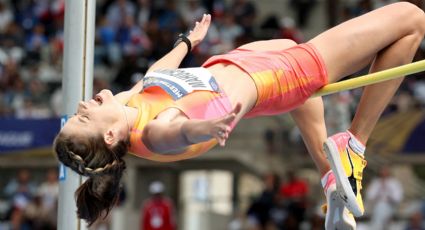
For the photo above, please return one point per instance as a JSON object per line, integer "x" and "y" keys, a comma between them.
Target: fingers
{"x": 237, "y": 108}
{"x": 204, "y": 18}
{"x": 232, "y": 115}
{"x": 205, "y": 21}
{"x": 229, "y": 119}
{"x": 222, "y": 135}
{"x": 223, "y": 128}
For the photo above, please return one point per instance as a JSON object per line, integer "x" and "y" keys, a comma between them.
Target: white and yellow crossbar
{"x": 372, "y": 78}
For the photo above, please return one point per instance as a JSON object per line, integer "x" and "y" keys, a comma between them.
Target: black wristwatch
{"x": 183, "y": 38}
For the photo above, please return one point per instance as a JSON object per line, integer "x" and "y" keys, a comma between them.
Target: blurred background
{"x": 263, "y": 179}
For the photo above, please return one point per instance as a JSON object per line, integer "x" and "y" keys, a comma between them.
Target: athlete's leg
{"x": 273, "y": 44}
{"x": 389, "y": 36}
{"x": 309, "y": 118}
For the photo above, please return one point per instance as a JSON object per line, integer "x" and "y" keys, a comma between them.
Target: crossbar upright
{"x": 77, "y": 85}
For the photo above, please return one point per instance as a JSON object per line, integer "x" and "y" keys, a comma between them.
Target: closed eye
{"x": 83, "y": 118}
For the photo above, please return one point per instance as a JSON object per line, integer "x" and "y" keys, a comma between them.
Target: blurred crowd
{"x": 292, "y": 202}
{"x": 132, "y": 34}
{"x": 282, "y": 204}
{"x": 28, "y": 205}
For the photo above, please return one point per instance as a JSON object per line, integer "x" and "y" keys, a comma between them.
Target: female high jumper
{"x": 175, "y": 114}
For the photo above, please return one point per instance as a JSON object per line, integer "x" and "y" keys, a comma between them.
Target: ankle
{"x": 362, "y": 140}
{"x": 327, "y": 180}
{"x": 355, "y": 144}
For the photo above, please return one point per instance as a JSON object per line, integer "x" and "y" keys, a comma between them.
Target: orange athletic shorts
{"x": 284, "y": 79}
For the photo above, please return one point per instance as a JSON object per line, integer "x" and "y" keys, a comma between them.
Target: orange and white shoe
{"x": 337, "y": 215}
{"x": 347, "y": 165}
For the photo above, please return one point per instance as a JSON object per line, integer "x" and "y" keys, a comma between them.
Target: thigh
{"x": 353, "y": 44}
{"x": 266, "y": 45}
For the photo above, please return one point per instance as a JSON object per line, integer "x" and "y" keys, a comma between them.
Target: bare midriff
{"x": 237, "y": 84}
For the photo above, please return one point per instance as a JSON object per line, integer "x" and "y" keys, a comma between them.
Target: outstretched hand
{"x": 220, "y": 128}
{"x": 197, "y": 34}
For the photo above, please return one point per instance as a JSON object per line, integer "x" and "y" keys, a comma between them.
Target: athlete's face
{"x": 95, "y": 116}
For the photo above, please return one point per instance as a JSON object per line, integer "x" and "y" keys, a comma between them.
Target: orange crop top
{"x": 192, "y": 90}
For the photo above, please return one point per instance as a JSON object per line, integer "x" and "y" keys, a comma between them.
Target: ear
{"x": 110, "y": 137}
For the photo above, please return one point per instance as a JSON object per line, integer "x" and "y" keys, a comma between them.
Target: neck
{"x": 131, "y": 114}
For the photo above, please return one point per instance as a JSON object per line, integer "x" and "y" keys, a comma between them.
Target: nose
{"x": 81, "y": 106}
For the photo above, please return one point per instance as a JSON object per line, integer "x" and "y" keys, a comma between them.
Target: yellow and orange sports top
{"x": 192, "y": 90}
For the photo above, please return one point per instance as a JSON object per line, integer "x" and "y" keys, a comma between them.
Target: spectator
{"x": 20, "y": 189}
{"x": 20, "y": 192}
{"x": 228, "y": 31}
{"x": 6, "y": 17}
{"x": 303, "y": 10}
{"x": 419, "y": 91}
{"x": 383, "y": 194}
{"x": 332, "y": 10}
{"x": 289, "y": 30}
{"x": 158, "y": 211}
{"x": 56, "y": 104}
{"x": 294, "y": 196}
{"x": 192, "y": 11}
{"x": 118, "y": 11}
{"x": 132, "y": 39}
{"x": 145, "y": 11}
{"x": 49, "y": 191}
{"x": 107, "y": 49}
{"x": 245, "y": 13}
{"x": 12, "y": 37}
{"x": 35, "y": 102}
{"x": 416, "y": 222}
{"x": 260, "y": 211}
{"x": 338, "y": 113}
{"x": 270, "y": 140}
{"x": 38, "y": 217}
{"x": 37, "y": 39}
{"x": 170, "y": 19}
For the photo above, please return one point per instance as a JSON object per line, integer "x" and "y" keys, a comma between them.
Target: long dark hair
{"x": 103, "y": 166}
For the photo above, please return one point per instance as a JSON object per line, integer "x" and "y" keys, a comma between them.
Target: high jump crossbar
{"x": 385, "y": 75}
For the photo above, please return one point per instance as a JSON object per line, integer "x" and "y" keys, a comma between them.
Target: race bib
{"x": 180, "y": 82}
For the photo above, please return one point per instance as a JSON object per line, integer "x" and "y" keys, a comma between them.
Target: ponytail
{"x": 104, "y": 168}
{"x": 96, "y": 197}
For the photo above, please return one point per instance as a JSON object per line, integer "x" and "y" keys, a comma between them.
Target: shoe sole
{"x": 335, "y": 212}
{"x": 343, "y": 185}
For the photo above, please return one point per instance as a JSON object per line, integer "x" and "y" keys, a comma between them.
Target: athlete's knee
{"x": 401, "y": 6}
{"x": 413, "y": 15}
{"x": 289, "y": 42}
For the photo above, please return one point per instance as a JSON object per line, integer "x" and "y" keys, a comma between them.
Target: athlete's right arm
{"x": 164, "y": 136}
{"x": 173, "y": 59}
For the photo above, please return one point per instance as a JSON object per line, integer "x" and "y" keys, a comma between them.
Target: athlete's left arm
{"x": 173, "y": 59}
